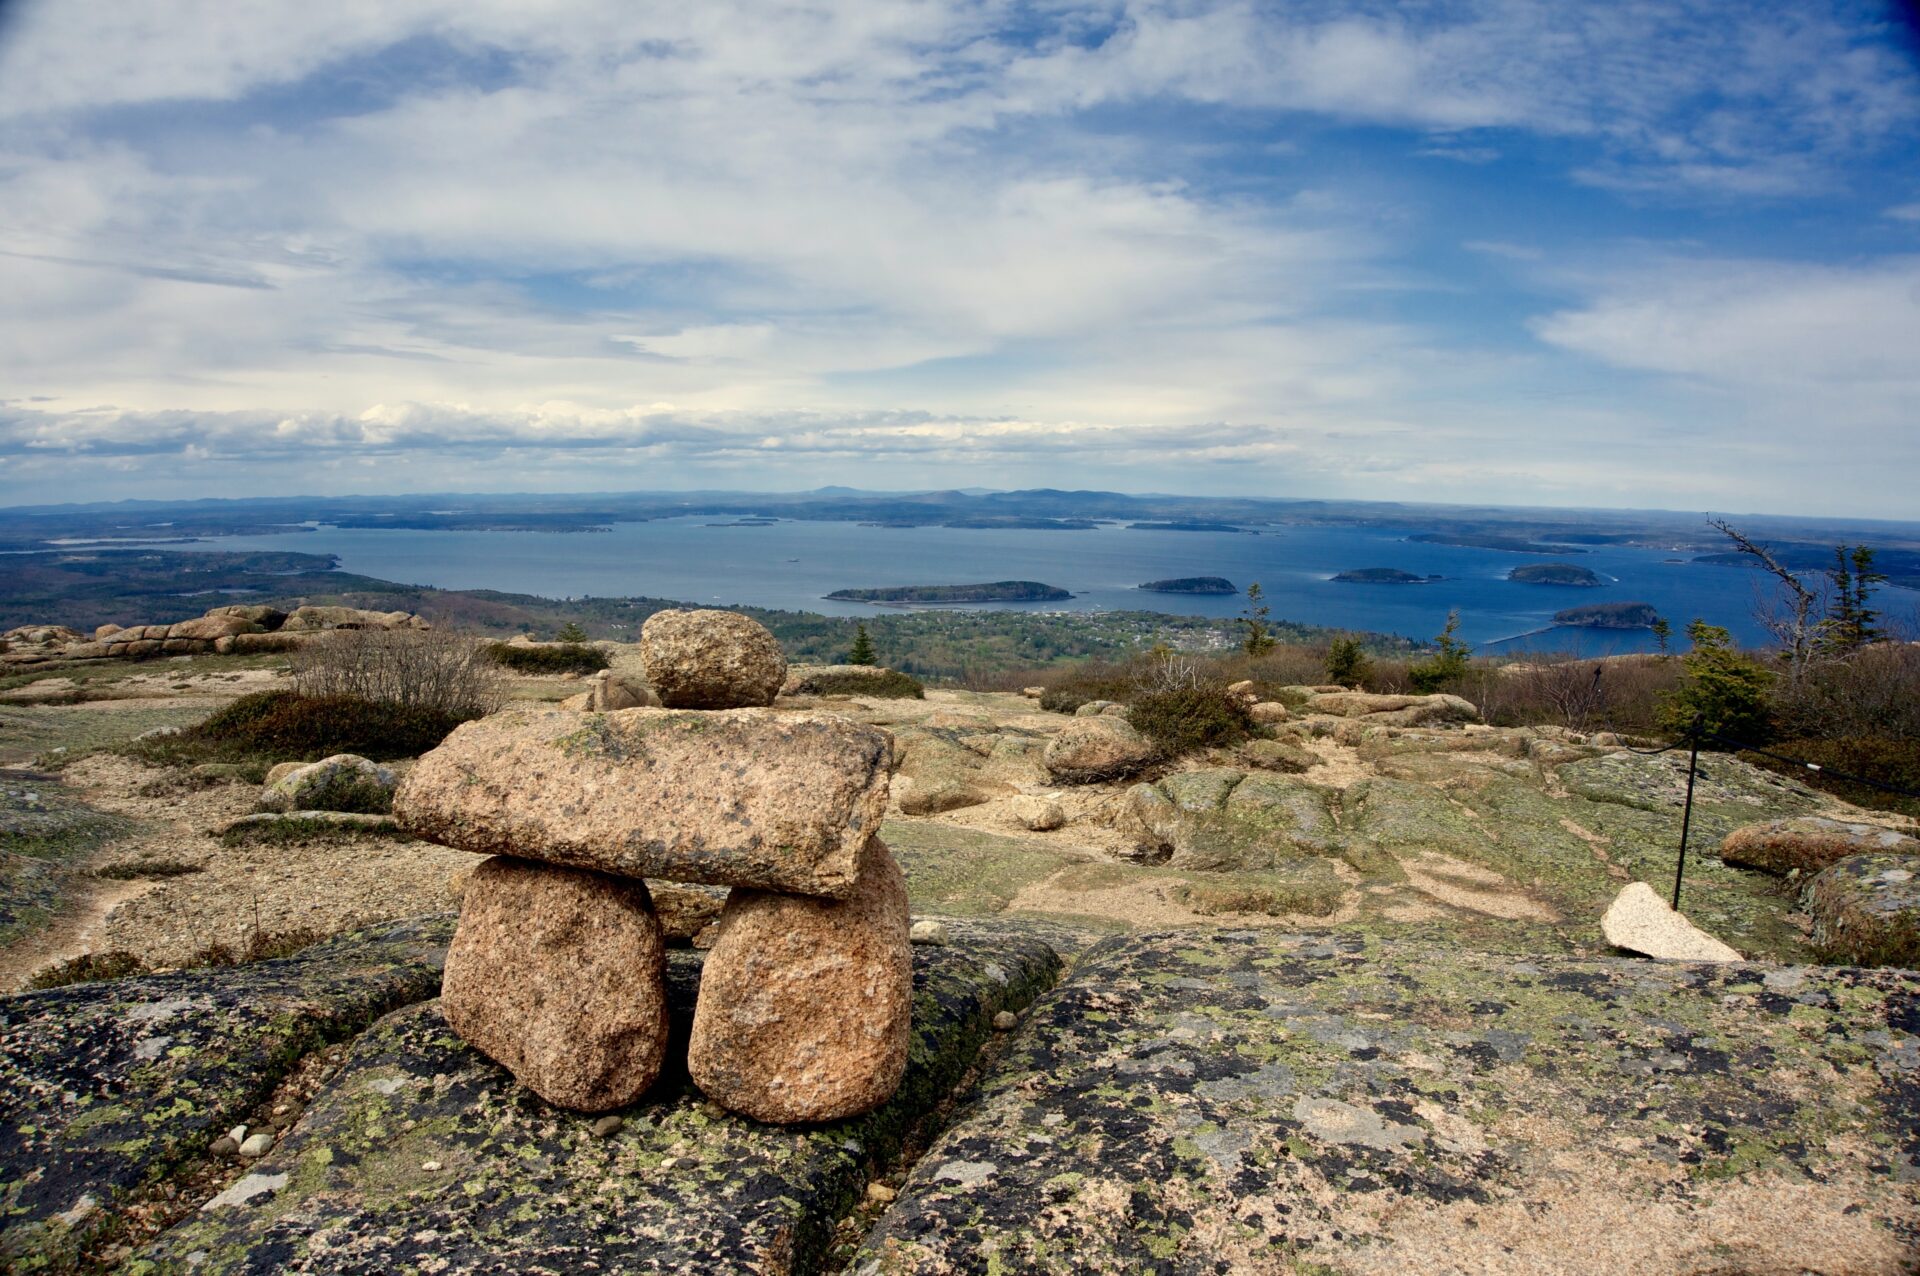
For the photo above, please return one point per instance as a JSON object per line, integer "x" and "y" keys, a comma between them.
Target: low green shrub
{"x": 566, "y": 658}
{"x": 285, "y": 726}
{"x": 88, "y": 968}
{"x": 883, "y": 684}
{"x": 1185, "y": 719}
{"x": 1891, "y": 762}
{"x": 1069, "y": 690}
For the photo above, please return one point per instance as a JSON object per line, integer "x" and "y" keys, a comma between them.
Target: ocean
{"x": 793, "y": 564}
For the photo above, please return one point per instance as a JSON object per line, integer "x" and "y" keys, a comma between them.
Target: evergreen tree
{"x": 1447, "y": 665}
{"x": 1347, "y": 663}
{"x": 570, "y": 633}
{"x": 1662, "y": 634}
{"x": 1850, "y": 624}
{"x": 1254, "y": 621}
{"x": 862, "y": 653}
{"x": 1724, "y": 689}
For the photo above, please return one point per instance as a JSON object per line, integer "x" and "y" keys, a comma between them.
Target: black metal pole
{"x": 1686, "y": 819}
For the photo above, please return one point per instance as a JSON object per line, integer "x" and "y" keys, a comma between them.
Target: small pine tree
{"x": 1850, "y": 624}
{"x": 1254, "y": 621}
{"x": 862, "y": 653}
{"x": 1724, "y": 689}
{"x": 1347, "y": 663}
{"x": 571, "y": 633}
{"x": 1447, "y": 665}
{"x": 1662, "y": 634}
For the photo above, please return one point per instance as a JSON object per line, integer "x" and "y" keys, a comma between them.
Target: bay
{"x": 794, "y": 564}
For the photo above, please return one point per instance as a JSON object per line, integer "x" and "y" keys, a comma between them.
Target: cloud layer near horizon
{"x": 1625, "y": 254}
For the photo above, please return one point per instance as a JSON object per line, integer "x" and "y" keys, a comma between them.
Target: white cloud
{"x": 880, "y": 230}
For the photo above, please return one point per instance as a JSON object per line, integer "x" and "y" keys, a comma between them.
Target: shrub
{"x": 1446, "y": 666}
{"x": 1889, "y": 761}
{"x": 88, "y": 968}
{"x": 1068, "y": 689}
{"x": 883, "y": 684}
{"x": 1724, "y": 689}
{"x": 1347, "y": 662}
{"x": 569, "y": 658}
{"x": 409, "y": 668}
{"x": 287, "y": 726}
{"x": 1184, "y": 719}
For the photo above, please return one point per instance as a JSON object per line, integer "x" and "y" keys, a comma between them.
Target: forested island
{"x": 1609, "y": 616}
{"x": 999, "y": 591}
{"x": 1384, "y": 576}
{"x": 1554, "y": 574}
{"x": 1191, "y": 585}
{"x": 1184, "y": 525}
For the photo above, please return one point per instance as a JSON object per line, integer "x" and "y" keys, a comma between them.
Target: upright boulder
{"x": 744, "y": 797}
{"x": 559, "y": 975}
{"x": 805, "y": 1005}
{"x": 1866, "y": 911}
{"x": 1090, "y": 750}
{"x": 711, "y": 660}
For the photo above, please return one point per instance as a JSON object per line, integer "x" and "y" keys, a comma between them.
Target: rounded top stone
{"x": 711, "y": 660}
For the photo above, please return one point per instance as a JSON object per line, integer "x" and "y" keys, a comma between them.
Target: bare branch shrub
{"x": 431, "y": 669}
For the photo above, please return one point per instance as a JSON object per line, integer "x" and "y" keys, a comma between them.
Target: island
{"x": 1184, "y": 525}
{"x": 1383, "y": 576}
{"x": 999, "y": 591}
{"x": 1191, "y": 585}
{"x": 1609, "y": 616}
{"x": 1554, "y": 574}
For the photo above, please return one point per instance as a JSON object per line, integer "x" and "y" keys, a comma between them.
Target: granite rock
{"x": 1809, "y": 843}
{"x": 711, "y": 660}
{"x": 805, "y": 1003}
{"x": 1866, "y": 910}
{"x": 1092, "y": 750}
{"x": 1253, "y": 1101}
{"x": 745, "y": 797}
{"x": 1640, "y": 921}
{"x": 557, "y": 974}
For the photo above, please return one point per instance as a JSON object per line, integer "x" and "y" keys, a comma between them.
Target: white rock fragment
{"x": 1640, "y": 921}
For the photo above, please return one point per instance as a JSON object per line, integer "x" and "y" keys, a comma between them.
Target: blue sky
{"x": 1623, "y": 254}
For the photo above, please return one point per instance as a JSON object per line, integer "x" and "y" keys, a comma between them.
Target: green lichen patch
{"x": 1260, "y": 1101}
{"x": 106, "y": 1087}
{"x": 1866, "y": 910}
{"x": 424, "y": 1155}
{"x": 964, "y": 871}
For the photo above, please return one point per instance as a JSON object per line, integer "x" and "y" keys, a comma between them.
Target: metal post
{"x": 1686, "y": 819}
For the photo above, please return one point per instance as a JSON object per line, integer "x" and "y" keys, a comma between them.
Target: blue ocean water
{"x": 794, "y": 564}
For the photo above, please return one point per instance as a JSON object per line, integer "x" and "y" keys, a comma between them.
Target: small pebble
{"x": 607, "y": 1125}
{"x": 880, "y": 1192}
{"x": 928, "y": 931}
{"x": 224, "y": 1146}
{"x": 430, "y": 1166}
{"x": 238, "y": 1134}
{"x": 257, "y": 1145}
{"x": 1005, "y": 1021}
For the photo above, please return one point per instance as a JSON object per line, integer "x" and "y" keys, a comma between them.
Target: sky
{"x": 1625, "y": 254}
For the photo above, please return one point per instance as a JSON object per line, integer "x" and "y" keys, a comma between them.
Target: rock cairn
{"x": 557, "y": 970}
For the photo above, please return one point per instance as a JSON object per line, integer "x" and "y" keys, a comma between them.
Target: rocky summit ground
{"x": 1335, "y": 1001}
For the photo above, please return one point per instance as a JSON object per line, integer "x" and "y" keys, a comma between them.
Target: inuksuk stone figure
{"x": 557, "y": 969}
